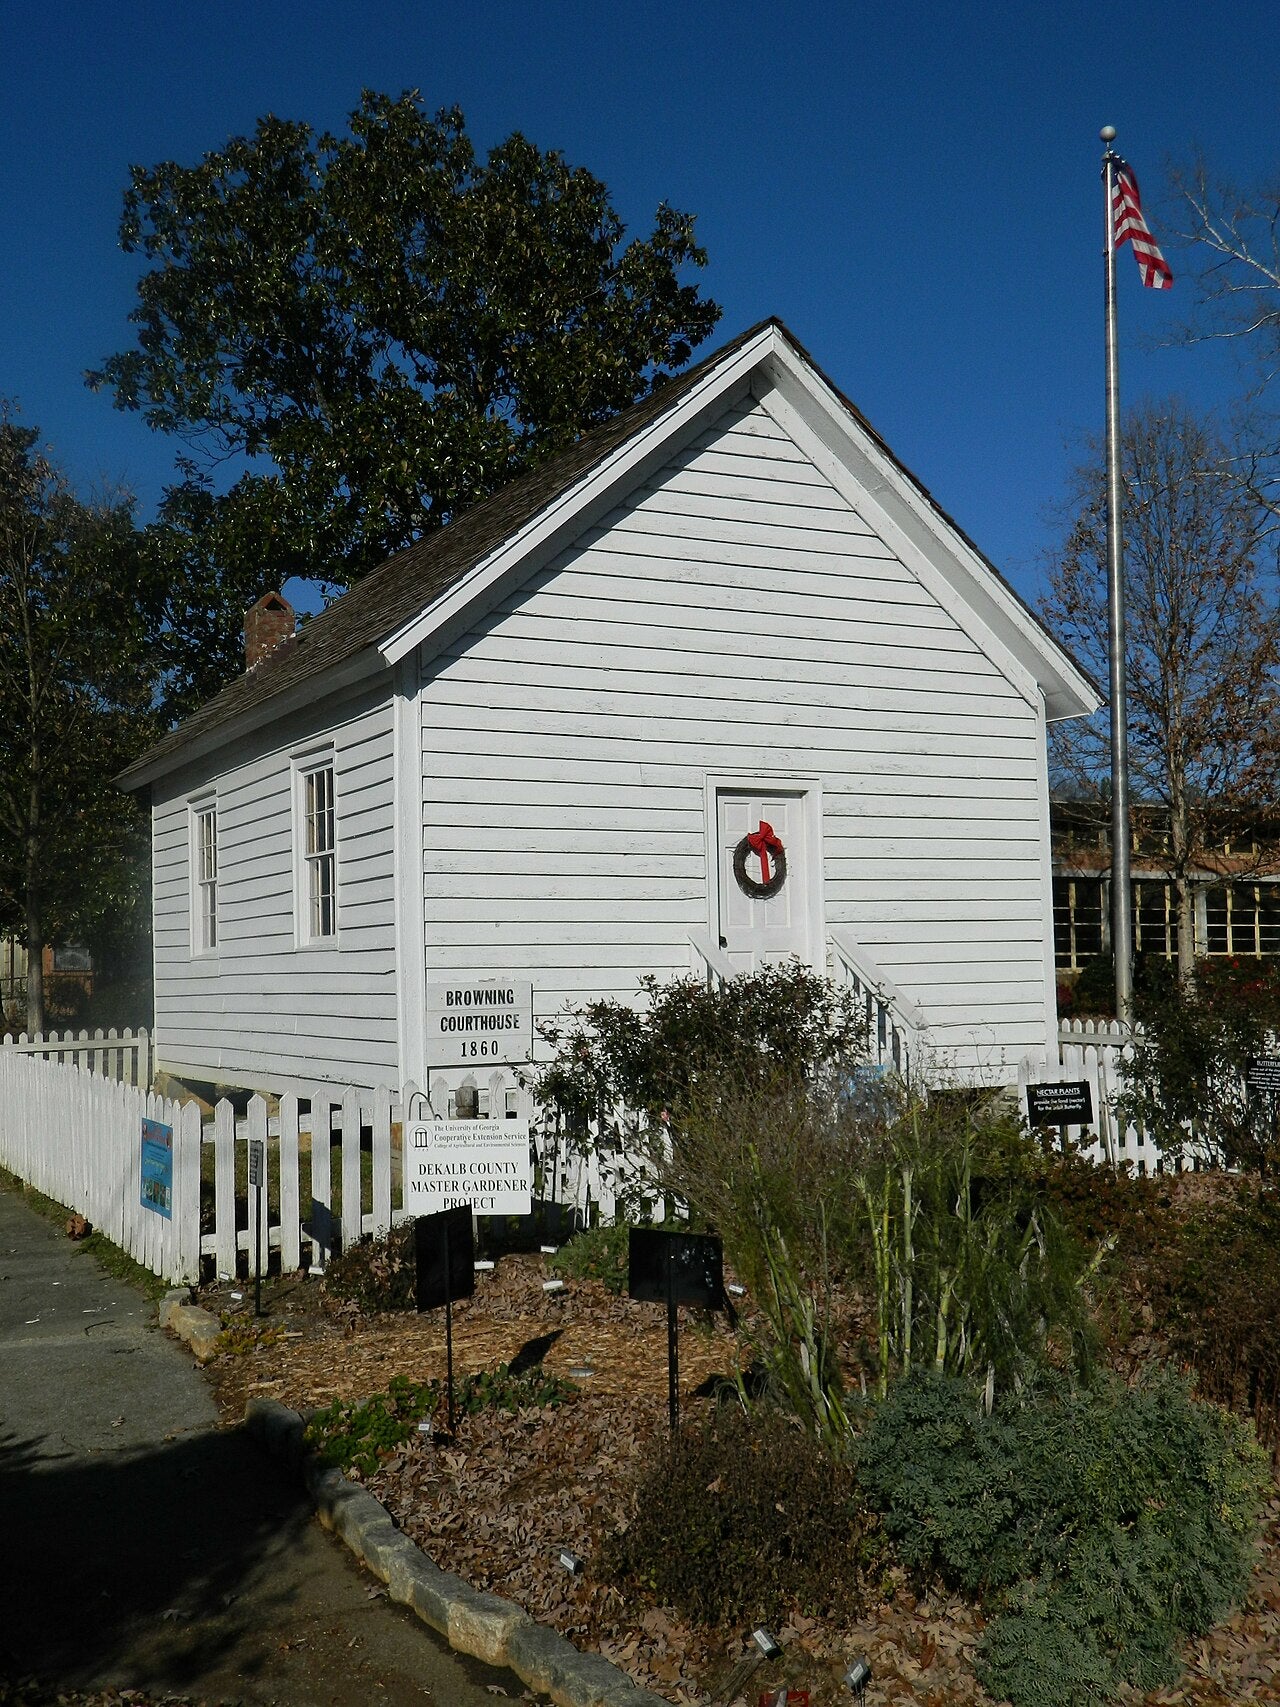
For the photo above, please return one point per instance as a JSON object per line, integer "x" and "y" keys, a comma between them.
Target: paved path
{"x": 143, "y": 1547}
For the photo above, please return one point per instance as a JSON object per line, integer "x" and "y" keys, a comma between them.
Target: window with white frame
{"x": 317, "y": 850}
{"x": 204, "y": 879}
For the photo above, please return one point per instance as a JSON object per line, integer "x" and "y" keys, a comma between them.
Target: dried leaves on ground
{"x": 503, "y": 1500}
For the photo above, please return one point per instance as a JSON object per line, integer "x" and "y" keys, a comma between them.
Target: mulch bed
{"x": 500, "y": 1502}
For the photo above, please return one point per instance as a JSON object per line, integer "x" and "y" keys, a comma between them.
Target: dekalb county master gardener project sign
{"x": 470, "y": 1023}
{"x": 478, "y": 1164}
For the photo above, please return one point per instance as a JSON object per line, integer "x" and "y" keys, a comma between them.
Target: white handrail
{"x": 716, "y": 965}
{"x": 895, "y": 1022}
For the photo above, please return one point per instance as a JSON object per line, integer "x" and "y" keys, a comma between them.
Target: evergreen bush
{"x": 623, "y": 1067}
{"x": 1100, "y": 1524}
{"x": 597, "y": 1253}
{"x": 1221, "y": 1303}
{"x": 359, "y": 1436}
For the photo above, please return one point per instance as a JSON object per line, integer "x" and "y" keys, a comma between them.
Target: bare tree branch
{"x": 1203, "y": 630}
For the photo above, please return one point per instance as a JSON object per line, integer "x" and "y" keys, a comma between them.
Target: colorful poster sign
{"x": 157, "y": 1168}
{"x": 480, "y": 1164}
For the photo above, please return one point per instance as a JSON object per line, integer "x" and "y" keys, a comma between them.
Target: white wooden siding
{"x": 736, "y": 614}
{"x": 262, "y": 1012}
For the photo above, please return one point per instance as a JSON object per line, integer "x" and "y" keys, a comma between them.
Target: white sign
{"x": 483, "y": 1020}
{"x": 481, "y": 1163}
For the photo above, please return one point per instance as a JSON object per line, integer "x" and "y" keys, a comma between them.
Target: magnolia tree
{"x": 372, "y": 331}
{"x": 1203, "y": 640}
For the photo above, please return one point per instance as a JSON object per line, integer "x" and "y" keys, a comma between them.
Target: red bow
{"x": 760, "y": 843}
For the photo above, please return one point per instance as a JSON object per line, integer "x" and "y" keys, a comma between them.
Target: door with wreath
{"x": 765, "y": 877}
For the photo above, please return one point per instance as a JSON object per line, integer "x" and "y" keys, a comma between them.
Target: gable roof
{"x": 367, "y": 622}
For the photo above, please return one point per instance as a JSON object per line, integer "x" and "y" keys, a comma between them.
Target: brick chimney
{"x": 266, "y": 625}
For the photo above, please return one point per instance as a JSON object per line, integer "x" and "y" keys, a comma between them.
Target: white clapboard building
{"x": 718, "y": 685}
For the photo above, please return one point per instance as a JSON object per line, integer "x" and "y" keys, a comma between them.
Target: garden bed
{"x": 510, "y": 1493}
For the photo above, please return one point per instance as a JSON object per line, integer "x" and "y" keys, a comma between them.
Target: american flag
{"x": 1126, "y": 213}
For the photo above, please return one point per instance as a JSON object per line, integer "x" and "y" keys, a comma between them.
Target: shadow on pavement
{"x": 167, "y": 1559}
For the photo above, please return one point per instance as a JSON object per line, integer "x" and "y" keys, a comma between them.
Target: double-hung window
{"x": 317, "y": 852}
{"x": 204, "y": 878}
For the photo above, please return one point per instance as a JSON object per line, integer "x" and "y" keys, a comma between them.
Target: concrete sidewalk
{"x": 143, "y": 1547}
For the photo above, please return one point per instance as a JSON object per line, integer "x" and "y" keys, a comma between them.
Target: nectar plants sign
{"x": 1065, "y": 1102}
{"x": 482, "y": 1165}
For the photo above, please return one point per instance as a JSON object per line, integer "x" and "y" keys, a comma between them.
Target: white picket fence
{"x": 1095, "y": 1051}
{"x": 77, "y": 1137}
{"x": 335, "y": 1165}
{"x": 123, "y": 1055}
{"x": 335, "y": 1158}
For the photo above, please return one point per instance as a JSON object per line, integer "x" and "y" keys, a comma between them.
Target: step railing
{"x": 895, "y": 1023}
{"x": 709, "y": 964}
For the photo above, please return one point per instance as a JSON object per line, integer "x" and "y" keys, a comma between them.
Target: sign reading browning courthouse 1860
{"x": 480, "y": 1164}
{"x": 483, "y": 1020}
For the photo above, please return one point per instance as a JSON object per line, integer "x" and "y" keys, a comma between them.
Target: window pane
{"x": 1154, "y": 909}
{"x": 1269, "y": 917}
{"x": 1062, "y": 921}
{"x": 322, "y": 898}
{"x": 1215, "y": 918}
{"x": 319, "y": 811}
{"x": 205, "y": 899}
{"x": 1088, "y": 911}
{"x": 319, "y": 842}
{"x": 1244, "y": 920}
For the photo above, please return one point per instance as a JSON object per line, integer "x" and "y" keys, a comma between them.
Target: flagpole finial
{"x": 1108, "y": 134}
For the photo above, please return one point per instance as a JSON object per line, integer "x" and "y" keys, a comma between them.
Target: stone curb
{"x": 196, "y": 1328}
{"x": 489, "y": 1628}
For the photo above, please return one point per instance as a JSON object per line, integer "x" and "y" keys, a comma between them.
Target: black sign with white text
{"x": 687, "y": 1268}
{"x": 1262, "y": 1073}
{"x": 1066, "y": 1102}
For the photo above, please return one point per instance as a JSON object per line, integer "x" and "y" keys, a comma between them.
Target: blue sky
{"x": 914, "y": 191}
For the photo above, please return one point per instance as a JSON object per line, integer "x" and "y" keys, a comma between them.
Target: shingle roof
{"x": 414, "y": 578}
{"x": 406, "y": 584}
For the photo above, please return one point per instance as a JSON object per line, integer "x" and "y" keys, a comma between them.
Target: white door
{"x": 765, "y": 877}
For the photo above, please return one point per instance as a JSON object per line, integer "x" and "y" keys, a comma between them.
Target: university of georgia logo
{"x": 761, "y": 851}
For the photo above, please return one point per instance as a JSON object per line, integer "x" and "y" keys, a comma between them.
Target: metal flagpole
{"x": 1121, "y": 916}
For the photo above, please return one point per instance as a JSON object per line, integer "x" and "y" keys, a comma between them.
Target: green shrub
{"x": 1093, "y": 993}
{"x": 376, "y": 1273}
{"x": 972, "y": 1269}
{"x": 1102, "y": 1525}
{"x": 499, "y": 1389}
{"x": 601, "y": 1253}
{"x": 360, "y": 1436}
{"x": 1186, "y": 1076}
{"x": 744, "y": 1518}
{"x": 780, "y": 1020}
{"x": 597, "y": 1253}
